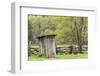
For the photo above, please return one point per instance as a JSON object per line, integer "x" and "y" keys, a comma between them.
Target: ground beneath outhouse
{"x": 62, "y": 56}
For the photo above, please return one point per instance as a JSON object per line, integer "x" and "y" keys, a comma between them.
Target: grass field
{"x": 64, "y": 56}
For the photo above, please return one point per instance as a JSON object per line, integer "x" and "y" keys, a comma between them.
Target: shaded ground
{"x": 63, "y": 56}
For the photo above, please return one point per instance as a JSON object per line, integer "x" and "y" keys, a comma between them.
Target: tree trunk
{"x": 78, "y": 34}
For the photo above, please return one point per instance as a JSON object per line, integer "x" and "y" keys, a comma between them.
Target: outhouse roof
{"x": 49, "y": 35}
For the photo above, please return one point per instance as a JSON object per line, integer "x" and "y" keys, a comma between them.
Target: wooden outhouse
{"x": 47, "y": 45}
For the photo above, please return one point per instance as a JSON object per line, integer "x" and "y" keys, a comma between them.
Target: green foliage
{"x": 29, "y": 52}
{"x": 68, "y": 29}
{"x": 40, "y": 55}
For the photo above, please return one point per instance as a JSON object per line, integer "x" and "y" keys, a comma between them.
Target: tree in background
{"x": 79, "y": 31}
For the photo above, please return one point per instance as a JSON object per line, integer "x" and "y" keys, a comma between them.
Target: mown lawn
{"x": 64, "y": 56}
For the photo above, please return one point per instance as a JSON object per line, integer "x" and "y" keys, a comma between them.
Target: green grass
{"x": 64, "y": 56}
{"x": 72, "y": 56}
